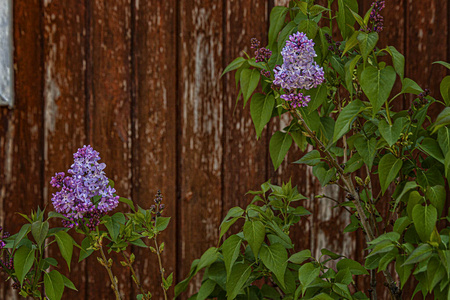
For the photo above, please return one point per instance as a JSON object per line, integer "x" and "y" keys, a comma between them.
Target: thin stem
{"x": 111, "y": 276}
{"x": 136, "y": 278}
{"x": 161, "y": 269}
{"x": 387, "y": 113}
{"x": 373, "y": 285}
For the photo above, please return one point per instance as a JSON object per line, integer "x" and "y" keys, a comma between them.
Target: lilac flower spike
{"x": 297, "y": 100}
{"x": 299, "y": 70}
{"x": 86, "y": 181}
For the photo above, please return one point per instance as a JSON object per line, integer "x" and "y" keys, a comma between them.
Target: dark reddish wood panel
{"x": 200, "y": 53}
{"x": 65, "y": 106}
{"x": 154, "y": 128}
{"x": 109, "y": 124}
{"x": 244, "y": 158}
{"x": 21, "y": 188}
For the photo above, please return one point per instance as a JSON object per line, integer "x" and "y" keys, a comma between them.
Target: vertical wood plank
{"x": 65, "y": 103}
{"x": 201, "y": 117}
{"x": 244, "y": 157}
{"x": 154, "y": 128}
{"x": 22, "y": 135}
{"x": 109, "y": 117}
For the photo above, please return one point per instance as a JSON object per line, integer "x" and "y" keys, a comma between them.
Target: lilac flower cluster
{"x": 86, "y": 183}
{"x": 375, "y": 18}
{"x": 4, "y": 236}
{"x": 261, "y": 53}
{"x": 297, "y": 100}
{"x": 334, "y": 46}
{"x": 299, "y": 70}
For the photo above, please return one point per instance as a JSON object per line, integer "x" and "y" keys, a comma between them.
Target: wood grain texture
{"x": 154, "y": 124}
{"x": 201, "y": 130}
{"x": 109, "y": 121}
{"x": 244, "y": 160}
{"x": 21, "y": 188}
{"x": 65, "y": 106}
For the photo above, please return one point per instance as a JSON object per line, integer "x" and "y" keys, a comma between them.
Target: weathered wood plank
{"x": 22, "y": 136}
{"x": 244, "y": 156}
{"x": 65, "y": 103}
{"x": 200, "y": 130}
{"x": 109, "y": 124}
{"x": 154, "y": 128}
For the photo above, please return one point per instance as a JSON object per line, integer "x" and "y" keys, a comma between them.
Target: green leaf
{"x": 226, "y": 225}
{"x": 128, "y": 202}
{"x": 279, "y": 146}
{"x": 398, "y": 61}
{"x": 367, "y": 42}
{"x": 65, "y": 244}
{"x": 388, "y": 169}
{"x": 444, "y": 139}
{"x": 403, "y": 271}
{"x": 24, "y": 230}
{"x": 431, "y": 147}
{"x": 206, "y": 289}
{"x": 54, "y": 285}
{"x": 238, "y": 277}
{"x": 207, "y": 258}
{"x": 445, "y": 64}
{"x": 261, "y": 108}
{"x": 349, "y": 71}
{"x": 410, "y": 185}
{"x": 254, "y": 233}
{"x": 318, "y": 96}
{"x": 401, "y": 223}
{"x": 277, "y": 18}
{"x": 351, "y": 42}
{"x": 68, "y": 283}
{"x": 317, "y": 9}
{"x": 84, "y": 253}
{"x": 367, "y": 149}
{"x": 419, "y": 254}
{"x": 299, "y": 257}
{"x": 249, "y": 81}
{"x": 309, "y": 27}
{"x": 310, "y": 158}
{"x": 442, "y": 119}
{"x": 288, "y": 30}
{"x": 230, "y": 250}
{"x": 235, "y": 64}
{"x": 391, "y": 133}
{"x": 342, "y": 290}
{"x": 39, "y": 231}
{"x": 275, "y": 259}
{"x": 113, "y": 224}
{"x": 437, "y": 196}
{"x": 377, "y": 85}
{"x": 445, "y": 90}
{"x": 409, "y": 86}
{"x": 162, "y": 223}
{"x": 23, "y": 261}
{"x": 330, "y": 253}
{"x": 424, "y": 218}
{"x": 354, "y": 266}
{"x": 307, "y": 274}
{"x": 323, "y": 174}
{"x": 345, "y": 18}
{"x": 345, "y": 119}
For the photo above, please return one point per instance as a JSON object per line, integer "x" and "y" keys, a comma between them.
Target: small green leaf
{"x": 54, "y": 285}
{"x": 442, "y": 119}
{"x": 354, "y": 266}
{"x": 345, "y": 119}
{"x": 261, "y": 107}
{"x": 249, "y": 81}
{"x": 68, "y": 283}
{"x": 299, "y": 257}
{"x": 398, "y": 61}
{"x": 238, "y": 277}
{"x": 275, "y": 259}
{"x": 367, "y": 149}
{"x": 310, "y": 158}
{"x": 128, "y": 202}
{"x": 309, "y": 27}
{"x": 367, "y": 42}
{"x": 24, "y": 230}
{"x": 437, "y": 196}
{"x": 388, "y": 169}
{"x": 230, "y": 250}
{"x": 162, "y": 223}
{"x": 419, "y": 254}
{"x": 207, "y": 258}
{"x": 277, "y": 18}
{"x": 279, "y": 146}
{"x": 431, "y": 147}
{"x": 235, "y": 64}
{"x": 65, "y": 244}
{"x": 409, "y": 86}
{"x": 403, "y": 271}
{"x": 445, "y": 90}
{"x": 445, "y": 64}
{"x": 424, "y": 218}
{"x": 351, "y": 42}
{"x": 391, "y": 133}
{"x": 307, "y": 274}
{"x": 84, "y": 252}
{"x": 377, "y": 85}
{"x": 23, "y": 261}
{"x": 39, "y": 231}
{"x": 206, "y": 289}
{"x": 254, "y": 233}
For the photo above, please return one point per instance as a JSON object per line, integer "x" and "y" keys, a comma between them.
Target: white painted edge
{"x": 7, "y": 5}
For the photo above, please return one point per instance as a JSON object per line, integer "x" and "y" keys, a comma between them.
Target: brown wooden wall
{"x": 139, "y": 80}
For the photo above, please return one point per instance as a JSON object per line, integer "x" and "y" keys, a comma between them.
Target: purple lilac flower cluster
{"x": 4, "y": 236}
{"x": 334, "y": 46}
{"x": 299, "y": 70}
{"x": 261, "y": 53}
{"x": 86, "y": 181}
{"x": 297, "y": 100}
{"x": 375, "y": 18}
{"x": 8, "y": 262}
